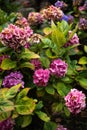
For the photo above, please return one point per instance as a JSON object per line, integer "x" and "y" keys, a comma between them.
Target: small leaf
{"x": 57, "y": 107}
{"x": 45, "y": 61}
{"x": 27, "y": 65}
{"x": 11, "y": 93}
{"x": 43, "y": 116}
{"x": 25, "y": 106}
{"x": 83, "y": 60}
{"x": 23, "y": 93}
{"x": 47, "y": 30}
{"x": 85, "y": 48}
{"x": 82, "y": 82}
{"x": 50, "y": 90}
{"x": 50, "y": 125}
{"x": 4, "y": 116}
{"x": 8, "y": 64}
{"x": 27, "y": 54}
{"x": 67, "y": 112}
{"x": 50, "y": 54}
{"x": 26, "y": 120}
{"x": 3, "y": 49}
{"x": 39, "y": 105}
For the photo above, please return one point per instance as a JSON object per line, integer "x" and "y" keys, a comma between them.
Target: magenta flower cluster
{"x": 13, "y": 79}
{"x": 7, "y": 124}
{"x": 36, "y": 63}
{"x": 15, "y": 37}
{"x": 60, "y": 127}
{"x": 41, "y": 77}
{"x": 58, "y": 68}
{"x": 75, "y": 101}
{"x": 73, "y": 41}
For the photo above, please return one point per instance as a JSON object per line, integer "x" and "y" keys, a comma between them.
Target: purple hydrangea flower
{"x": 68, "y": 18}
{"x": 73, "y": 41}
{"x": 60, "y": 4}
{"x": 13, "y": 79}
{"x": 36, "y": 63}
{"x": 41, "y": 77}
{"x": 75, "y": 101}
{"x": 7, "y": 124}
{"x": 60, "y": 127}
{"x": 58, "y": 68}
{"x": 83, "y": 24}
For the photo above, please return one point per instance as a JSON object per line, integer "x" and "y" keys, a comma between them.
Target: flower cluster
{"x": 68, "y": 18}
{"x": 2, "y": 57}
{"x": 22, "y": 22}
{"x": 35, "y": 18}
{"x": 7, "y": 124}
{"x": 84, "y": 7}
{"x": 35, "y": 38}
{"x": 77, "y": 2}
{"x": 60, "y": 127}
{"x": 73, "y": 41}
{"x": 61, "y": 4}
{"x": 13, "y": 79}
{"x": 83, "y": 24}
{"x": 15, "y": 37}
{"x": 52, "y": 13}
{"x": 41, "y": 77}
{"x": 58, "y": 68}
{"x": 75, "y": 101}
{"x": 36, "y": 63}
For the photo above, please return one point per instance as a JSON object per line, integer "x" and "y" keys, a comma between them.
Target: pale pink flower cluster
{"x": 15, "y": 37}
{"x": 58, "y": 68}
{"x": 35, "y": 18}
{"x": 41, "y": 77}
{"x": 22, "y": 22}
{"x": 73, "y": 41}
{"x": 52, "y": 13}
{"x": 75, "y": 101}
{"x": 36, "y": 63}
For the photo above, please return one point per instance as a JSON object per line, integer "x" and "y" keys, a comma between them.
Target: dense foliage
{"x": 43, "y": 68}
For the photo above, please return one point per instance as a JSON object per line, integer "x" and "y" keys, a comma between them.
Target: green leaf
{"x": 50, "y": 54}
{"x": 11, "y": 93}
{"x": 47, "y": 42}
{"x": 66, "y": 111}
{"x": 57, "y": 107}
{"x": 26, "y": 120}
{"x": 4, "y": 116}
{"x": 27, "y": 65}
{"x": 62, "y": 89}
{"x": 39, "y": 105}
{"x": 50, "y": 125}
{"x": 50, "y": 90}
{"x": 85, "y": 48}
{"x": 27, "y": 54}
{"x": 47, "y": 30}
{"x": 6, "y": 106}
{"x": 82, "y": 82}
{"x": 3, "y": 49}
{"x": 45, "y": 61}
{"x": 43, "y": 116}
{"x": 23, "y": 93}
{"x": 1, "y": 82}
{"x": 83, "y": 60}
{"x": 57, "y": 36}
{"x": 3, "y": 92}
{"x": 25, "y": 106}
{"x": 8, "y": 64}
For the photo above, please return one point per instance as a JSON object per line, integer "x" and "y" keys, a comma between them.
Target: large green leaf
{"x": 50, "y": 90}
{"x": 58, "y": 37}
{"x": 6, "y": 106}
{"x": 23, "y": 93}
{"x": 25, "y": 106}
{"x": 8, "y": 64}
{"x": 26, "y": 65}
{"x": 4, "y": 115}
{"x": 27, "y": 54}
{"x": 63, "y": 89}
{"x": 82, "y": 82}
{"x": 43, "y": 116}
{"x": 11, "y": 93}
{"x": 26, "y": 120}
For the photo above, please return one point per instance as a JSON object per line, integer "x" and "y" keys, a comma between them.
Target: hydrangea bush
{"x": 43, "y": 68}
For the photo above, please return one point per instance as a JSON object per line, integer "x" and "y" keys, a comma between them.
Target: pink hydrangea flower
{"x": 60, "y": 127}
{"x": 73, "y": 41}
{"x": 15, "y": 37}
{"x": 36, "y": 63}
{"x": 75, "y": 101}
{"x": 41, "y": 77}
{"x": 58, "y": 68}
